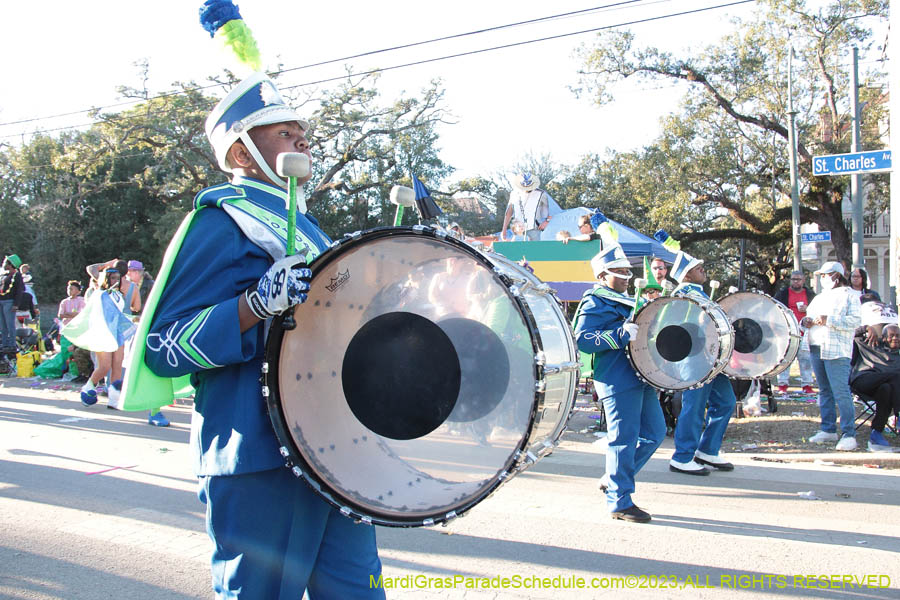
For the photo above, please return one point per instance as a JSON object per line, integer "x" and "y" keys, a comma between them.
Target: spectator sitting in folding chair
{"x": 876, "y": 373}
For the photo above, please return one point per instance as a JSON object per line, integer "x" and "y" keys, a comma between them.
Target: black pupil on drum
{"x": 401, "y": 376}
{"x": 485, "y": 368}
{"x": 673, "y": 343}
{"x": 748, "y": 336}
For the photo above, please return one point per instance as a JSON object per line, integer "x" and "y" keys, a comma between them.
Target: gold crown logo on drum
{"x": 338, "y": 281}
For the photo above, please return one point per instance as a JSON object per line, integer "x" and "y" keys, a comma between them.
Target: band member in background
{"x": 635, "y": 422}
{"x": 706, "y": 411}
{"x": 653, "y": 289}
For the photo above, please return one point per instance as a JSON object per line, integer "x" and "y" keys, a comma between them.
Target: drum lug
{"x": 265, "y": 391}
{"x": 540, "y": 358}
{"x": 540, "y": 386}
{"x": 420, "y": 228}
{"x": 284, "y": 451}
{"x": 265, "y": 368}
{"x": 428, "y": 523}
{"x": 561, "y": 368}
{"x": 449, "y": 517}
{"x": 297, "y": 471}
{"x": 354, "y": 235}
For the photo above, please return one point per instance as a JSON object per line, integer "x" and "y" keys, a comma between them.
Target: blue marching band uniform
{"x": 274, "y": 537}
{"x": 704, "y": 416}
{"x": 635, "y": 424}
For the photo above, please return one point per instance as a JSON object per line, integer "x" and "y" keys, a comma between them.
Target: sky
{"x": 64, "y": 56}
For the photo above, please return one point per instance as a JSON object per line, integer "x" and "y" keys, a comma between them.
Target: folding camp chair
{"x": 865, "y": 411}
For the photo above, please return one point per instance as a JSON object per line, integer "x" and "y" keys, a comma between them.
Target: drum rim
{"x": 718, "y": 368}
{"x": 294, "y": 460}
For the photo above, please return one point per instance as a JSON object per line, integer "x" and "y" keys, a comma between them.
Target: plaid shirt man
{"x": 835, "y": 338}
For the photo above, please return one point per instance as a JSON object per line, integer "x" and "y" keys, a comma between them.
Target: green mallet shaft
{"x": 292, "y": 165}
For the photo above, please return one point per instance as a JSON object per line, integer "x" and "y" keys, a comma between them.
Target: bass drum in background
{"x": 421, "y": 375}
{"x": 766, "y": 335}
{"x": 682, "y": 342}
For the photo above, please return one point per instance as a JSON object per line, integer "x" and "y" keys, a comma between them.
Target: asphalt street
{"x": 95, "y": 503}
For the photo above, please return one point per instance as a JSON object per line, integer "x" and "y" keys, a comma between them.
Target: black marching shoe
{"x": 715, "y": 461}
{"x": 688, "y": 468}
{"x": 632, "y": 514}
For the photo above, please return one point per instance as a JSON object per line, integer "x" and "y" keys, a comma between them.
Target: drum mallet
{"x": 668, "y": 287}
{"x": 402, "y": 196}
{"x": 292, "y": 165}
{"x": 713, "y": 287}
{"x": 732, "y": 289}
{"x": 639, "y": 285}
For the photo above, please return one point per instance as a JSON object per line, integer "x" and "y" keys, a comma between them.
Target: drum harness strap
{"x": 262, "y": 226}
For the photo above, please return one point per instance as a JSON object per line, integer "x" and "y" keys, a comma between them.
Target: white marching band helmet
{"x": 253, "y": 102}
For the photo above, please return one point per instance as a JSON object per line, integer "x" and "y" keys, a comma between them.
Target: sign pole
{"x": 857, "y": 191}
{"x": 792, "y": 142}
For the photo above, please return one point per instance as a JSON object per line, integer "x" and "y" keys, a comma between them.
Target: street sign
{"x": 819, "y": 236}
{"x": 854, "y": 162}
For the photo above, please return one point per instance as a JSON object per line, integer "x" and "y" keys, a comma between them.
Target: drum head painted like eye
{"x": 681, "y": 342}
{"x": 766, "y": 335}
{"x": 401, "y": 375}
{"x": 409, "y": 382}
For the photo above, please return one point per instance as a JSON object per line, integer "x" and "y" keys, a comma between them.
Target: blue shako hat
{"x": 253, "y": 102}
{"x": 612, "y": 256}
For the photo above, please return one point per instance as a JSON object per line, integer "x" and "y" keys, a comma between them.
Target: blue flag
{"x": 424, "y": 204}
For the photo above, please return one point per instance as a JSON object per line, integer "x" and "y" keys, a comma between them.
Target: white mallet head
{"x": 668, "y": 285}
{"x": 403, "y": 196}
{"x": 292, "y": 164}
{"x": 732, "y": 289}
{"x": 640, "y": 283}
{"x": 714, "y": 284}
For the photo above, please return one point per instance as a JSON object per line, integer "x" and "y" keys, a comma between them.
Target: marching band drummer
{"x": 635, "y": 424}
{"x": 273, "y": 536}
{"x": 706, "y": 411}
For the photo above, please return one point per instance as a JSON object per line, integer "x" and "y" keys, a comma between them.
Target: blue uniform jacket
{"x": 195, "y": 331}
{"x": 598, "y": 331}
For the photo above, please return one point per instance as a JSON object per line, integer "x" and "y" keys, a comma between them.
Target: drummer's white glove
{"x": 284, "y": 285}
{"x": 631, "y": 330}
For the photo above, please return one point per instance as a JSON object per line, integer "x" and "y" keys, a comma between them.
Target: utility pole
{"x": 792, "y": 142}
{"x": 857, "y": 191}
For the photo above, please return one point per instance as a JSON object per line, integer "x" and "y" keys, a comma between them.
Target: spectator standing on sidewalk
{"x": 797, "y": 297}
{"x": 832, "y": 318}
{"x": 11, "y": 289}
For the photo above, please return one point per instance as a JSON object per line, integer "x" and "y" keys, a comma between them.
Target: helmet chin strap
{"x": 620, "y": 276}
{"x": 261, "y": 162}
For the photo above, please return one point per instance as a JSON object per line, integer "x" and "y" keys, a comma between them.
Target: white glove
{"x": 284, "y": 285}
{"x": 631, "y": 330}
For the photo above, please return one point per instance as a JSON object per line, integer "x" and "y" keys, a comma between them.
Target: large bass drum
{"x": 421, "y": 375}
{"x": 766, "y": 335}
{"x": 682, "y": 342}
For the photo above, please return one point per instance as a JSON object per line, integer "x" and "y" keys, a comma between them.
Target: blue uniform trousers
{"x": 274, "y": 538}
{"x": 716, "y": 399}
{"x": 635, "y": 429}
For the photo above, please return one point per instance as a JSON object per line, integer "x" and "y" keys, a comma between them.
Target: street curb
{"x": 881, "y": 459}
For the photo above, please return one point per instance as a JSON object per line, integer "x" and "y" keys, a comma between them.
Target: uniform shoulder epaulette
{"x": 214, "y": 196}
